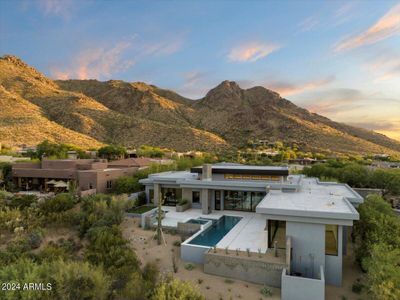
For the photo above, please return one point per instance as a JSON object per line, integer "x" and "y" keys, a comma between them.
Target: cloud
{"x": 385, "y": 27}
{"x": 308, "y": 24}
{"x": 335, "y": 101}
{"x": 286, "y": 88}
{"x": 389, "y": 128}
{"x": 97, "y": 63}
{"x": 62, "y": 8}
{"x": 163, "y": 48}
{"x": 251, "y": 52}
{"x": 196, "y": 84}
{"x": 102, "y": 62}
{"x": 344, "y": 13}
{"x": 385, "y": 66}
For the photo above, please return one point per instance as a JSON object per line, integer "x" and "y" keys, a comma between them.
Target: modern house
{"x": 264, "y": 210}
{"x": 88, "y": 175}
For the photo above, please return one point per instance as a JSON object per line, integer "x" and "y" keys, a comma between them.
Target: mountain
{"x": 88, "y": 113}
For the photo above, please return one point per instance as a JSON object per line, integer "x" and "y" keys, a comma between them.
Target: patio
{"x": 250, "y": 232}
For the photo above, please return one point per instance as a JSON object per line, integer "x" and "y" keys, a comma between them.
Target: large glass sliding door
{"x": 171, "y": 196}
{"x": 243, "y": 201}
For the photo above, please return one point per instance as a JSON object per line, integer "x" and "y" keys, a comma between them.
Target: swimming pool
{"x": 212, "y": 235}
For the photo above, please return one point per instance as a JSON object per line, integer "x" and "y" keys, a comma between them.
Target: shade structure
{"x": 61, "y": 184}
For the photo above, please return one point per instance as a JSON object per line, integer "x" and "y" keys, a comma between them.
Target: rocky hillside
{"x": 89, "y": 112}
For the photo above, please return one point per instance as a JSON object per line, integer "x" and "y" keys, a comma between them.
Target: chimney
{"x": 207, "y": 172}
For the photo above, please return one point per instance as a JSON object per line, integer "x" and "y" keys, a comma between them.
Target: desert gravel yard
{"x": 215, "y": 287}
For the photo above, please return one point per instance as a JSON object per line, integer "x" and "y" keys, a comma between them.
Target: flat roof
{"x": 312, "y": 200}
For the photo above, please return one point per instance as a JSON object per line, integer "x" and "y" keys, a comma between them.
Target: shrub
{"x": 22, "y": 201}
{"x": 59, "y": 203}
{"x": 151, "y": 272}
{"x": 126, "y": 185}
{"x": 189, "y": 266}
{"x": 175, "y": 289}
{"x": 79, "y": 280}
{"x": 183, "y": 202}
{"x": 10, "y": 219}
{"x": 229, "y": 281}
{"x": 35, "y": 239}
{"x": 266, "y": 291}
{"x": 107, "y": 247}
{"x": 357, "y": 287}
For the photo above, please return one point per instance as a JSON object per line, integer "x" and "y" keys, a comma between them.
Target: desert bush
{"x": 22, "y": 201}
{"x": 175, "y": 289}
{"x": 151, "y": 272}
{"x": 189, "y": 266}
{"x": 57, "y": 204}
{"x": 266, "y": 291}
{"x": 35, "y": 239}
{"x": 10, "y": 219}
{"x": 108, "y": 248}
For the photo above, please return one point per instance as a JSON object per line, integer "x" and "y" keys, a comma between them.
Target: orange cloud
{"x": 251, "y": 52}
{"x": 96, "y": 63}
{"x": 286, "y": 88}
{"x": 387, "y": 26}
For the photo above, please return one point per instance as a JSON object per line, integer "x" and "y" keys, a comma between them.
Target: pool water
{"x": 197, "y": 221}
{"x": 212, "y": 235}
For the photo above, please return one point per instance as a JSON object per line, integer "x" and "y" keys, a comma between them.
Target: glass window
{"x": 331, "y": 240}
{"x": 239, "y": 200}
{"x": 196, "y": 197}
{"x": 277, "y": 232}
{"x": 217, "y": 200}
{"x": 151, "y": 195}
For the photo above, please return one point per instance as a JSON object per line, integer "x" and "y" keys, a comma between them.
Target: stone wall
{"x": 251, "y": 269}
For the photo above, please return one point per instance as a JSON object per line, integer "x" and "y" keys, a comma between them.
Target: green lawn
{"x": 140, "y": 209}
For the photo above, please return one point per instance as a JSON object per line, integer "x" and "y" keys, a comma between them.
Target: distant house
{"x": 306, "y": 161}
{"x": 88, "y": 175}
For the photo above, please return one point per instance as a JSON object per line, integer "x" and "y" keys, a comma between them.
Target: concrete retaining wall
{"x": 193, "y": 253}
{"x": 247, "y": 269}
{"x": 188, "y": 228}
{"x": 143, "y": 217}
{"x": 301, "y": 288}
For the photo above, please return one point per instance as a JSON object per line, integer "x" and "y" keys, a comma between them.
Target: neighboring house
{"x": 306, "y": 219}
{"x": 306, "y": 161}
{"x": 141, "y": 162}
{"x": 88, "y": 175}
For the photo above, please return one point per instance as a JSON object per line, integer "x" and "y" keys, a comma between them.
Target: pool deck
{"x": 250, "y": 232}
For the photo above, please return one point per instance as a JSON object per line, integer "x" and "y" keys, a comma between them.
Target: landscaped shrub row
{"x": 377, "y": 246}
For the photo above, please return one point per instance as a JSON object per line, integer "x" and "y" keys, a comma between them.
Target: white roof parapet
{"x": 314, "y": 201}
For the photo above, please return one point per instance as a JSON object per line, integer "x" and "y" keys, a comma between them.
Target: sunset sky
{"x": 340, "y": 59}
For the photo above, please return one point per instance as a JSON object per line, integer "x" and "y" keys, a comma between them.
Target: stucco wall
{"x": 299, "y": 288}
{"x": 247, "y": 269}
{"x": 308, "y": 243}
{"x": 187, "y": 194}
